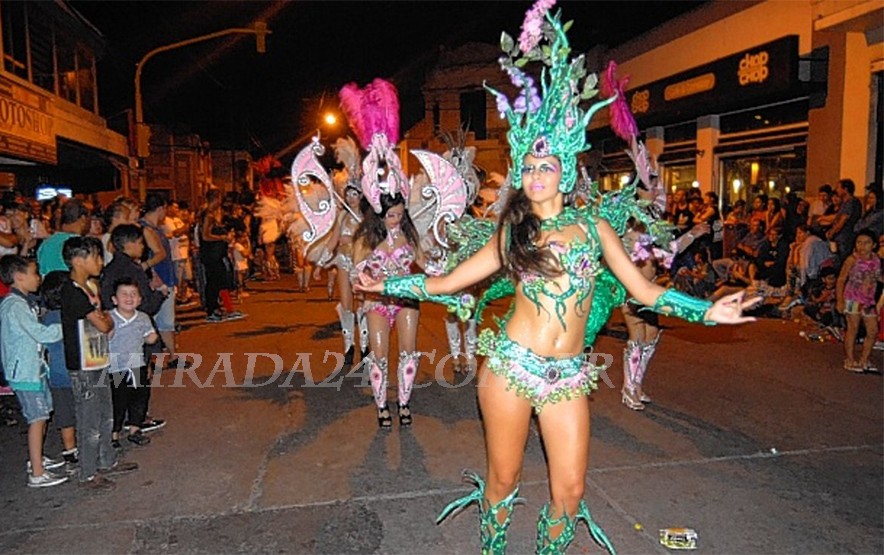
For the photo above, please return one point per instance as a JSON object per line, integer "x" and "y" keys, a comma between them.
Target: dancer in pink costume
{"x": 388, "y": 243}
{"x": 396, "y": 229}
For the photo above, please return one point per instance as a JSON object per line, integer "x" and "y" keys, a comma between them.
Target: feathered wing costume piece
{"x": 505, "y": 185}
{"x": 347, "y": 153}
{"x": 319, "y": 216}
{"x": 461, "y": 157}
{"x": 443, "y": 197}
{"x": 303, "y": 209}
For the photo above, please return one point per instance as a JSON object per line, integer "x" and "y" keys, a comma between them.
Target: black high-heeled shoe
{"x": 385, "y": 419}
{"x": 404, "y": 415}
{"x": 348, "y": 356}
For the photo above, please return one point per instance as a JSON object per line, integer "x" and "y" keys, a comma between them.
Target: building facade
{"x": 51, "y": 132}
{"x": 454, "y": 99}
{"x": 740, "y": 97}
{"x": 743, "y": 98}
{"x": 182, "y": 167}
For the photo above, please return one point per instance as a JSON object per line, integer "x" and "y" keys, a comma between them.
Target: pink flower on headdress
{"x": 622, "y": 122}
{"x": 531, "y": 27}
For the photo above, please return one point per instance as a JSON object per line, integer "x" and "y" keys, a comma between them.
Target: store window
{"x": 66, "y": 55}
{"x": 42, "y": 37}
{"x": 15, "y": 39}
{"x": 680, "y": 177}
{"x": 86, "y": 79}
{"x": 473, "y": 112}
{"x": 437, "y": 118}
{"x": 776, "y": 174}
{"x": 681, "y": 132}
{"x": 768, "y": 117}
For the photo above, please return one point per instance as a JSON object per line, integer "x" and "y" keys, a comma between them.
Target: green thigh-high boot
{"x": 547, "y": 545}
{"x": 491, "y": 530}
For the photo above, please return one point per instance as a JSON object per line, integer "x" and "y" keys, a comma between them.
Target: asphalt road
{"x": 756, "y": 439}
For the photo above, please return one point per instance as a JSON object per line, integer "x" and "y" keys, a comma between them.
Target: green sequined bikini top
{"x": 579, "y": 260}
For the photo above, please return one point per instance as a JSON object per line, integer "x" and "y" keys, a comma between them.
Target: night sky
{"x": 234, "y": 97}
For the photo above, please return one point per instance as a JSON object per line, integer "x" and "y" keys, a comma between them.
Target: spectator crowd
{"x": 91, "y": 295}
{"x": 820, "y": 258}
{"x": 88, "y": 314}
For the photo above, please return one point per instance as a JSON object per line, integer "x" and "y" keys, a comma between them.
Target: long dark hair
{"x": 518, "y": 232}
{"x": 372, "y": 229}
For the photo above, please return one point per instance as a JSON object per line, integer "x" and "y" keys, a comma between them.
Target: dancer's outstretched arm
{"x": 473, "y": 270}
{"x": 727, "y": 310}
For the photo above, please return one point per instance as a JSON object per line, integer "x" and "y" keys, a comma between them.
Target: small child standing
{"x": 242, "y": 254}
{"x": 132, "y": 330}
{"x": 64, "y": 416}
{"x": 85, "y": 326}
{"x": 22, "y": 343}
{"x": 856, "y": 299}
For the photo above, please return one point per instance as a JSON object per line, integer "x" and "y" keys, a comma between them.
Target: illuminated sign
{"x": 765, "y": 73}
{"x": 27, "y": 126}
{"x": 47, "y": 192}
{"x": 640, "y": 102}
{"x": 703, "y": 83}
{"x": 753, "y": 68}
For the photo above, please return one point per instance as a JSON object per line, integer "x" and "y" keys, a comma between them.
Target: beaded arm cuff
{"x": 680, "y": 305}
{"x": 414, "y": 286}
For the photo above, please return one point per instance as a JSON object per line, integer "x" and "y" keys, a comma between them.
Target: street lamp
{"x": 329, "y": 119}
{"x": 142, "y": 131}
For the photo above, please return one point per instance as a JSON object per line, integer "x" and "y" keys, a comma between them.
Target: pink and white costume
{"x": 382, "y": 264}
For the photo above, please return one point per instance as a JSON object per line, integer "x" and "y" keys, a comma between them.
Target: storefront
{"x": 730, "y": 126}
{"x": 51, "y": 133}
{"x": 765, "y": 97}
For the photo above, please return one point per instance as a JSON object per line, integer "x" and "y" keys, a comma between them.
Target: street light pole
{"x": 142, "y": 132}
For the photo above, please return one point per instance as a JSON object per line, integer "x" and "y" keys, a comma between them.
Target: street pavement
{"x": 757, "y": 439}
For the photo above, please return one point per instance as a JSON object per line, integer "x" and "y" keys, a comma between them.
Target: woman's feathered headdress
{"x": 269, "y": 182}
{"x": 373, "y": 114}
{"x": 549, "y": 121}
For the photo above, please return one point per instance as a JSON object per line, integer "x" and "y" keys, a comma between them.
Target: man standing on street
{"x": 841, "y": 232}
{"x": 74, "y": 223}
{"x": 159, "y": 262}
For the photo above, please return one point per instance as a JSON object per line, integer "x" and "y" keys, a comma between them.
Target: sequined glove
{"x": 678, "y": 304}
{"x": 414, "y": 286}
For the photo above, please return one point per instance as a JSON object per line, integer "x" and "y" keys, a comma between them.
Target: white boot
{"x": 647, "y": 351}
{"x": 348, "y": 320}
{"x": 452, "y": 330}
{"x": 631, "y": 362}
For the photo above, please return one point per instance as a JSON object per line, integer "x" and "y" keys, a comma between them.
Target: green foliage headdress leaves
{"x": 549, "y": 121}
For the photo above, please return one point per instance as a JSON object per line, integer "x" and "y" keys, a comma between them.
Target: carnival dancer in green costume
{"x": 555, "y": 257}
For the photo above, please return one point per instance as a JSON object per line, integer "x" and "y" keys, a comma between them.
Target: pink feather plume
{"x": 372, "y": 110}
{"x": 622, "y": 122}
